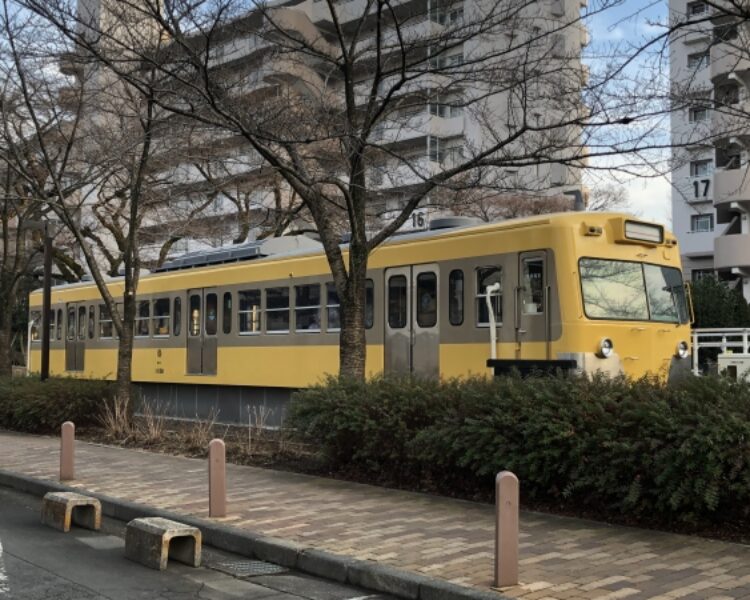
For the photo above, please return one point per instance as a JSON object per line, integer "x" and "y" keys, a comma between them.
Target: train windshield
{"x": 631, "y": 291}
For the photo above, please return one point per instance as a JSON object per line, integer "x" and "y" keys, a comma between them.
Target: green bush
{"x": 639, "y": 448}
{"x": 27, "y": 404}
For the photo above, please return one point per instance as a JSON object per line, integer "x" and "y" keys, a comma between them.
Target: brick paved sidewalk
{"x": 561, "y": 558}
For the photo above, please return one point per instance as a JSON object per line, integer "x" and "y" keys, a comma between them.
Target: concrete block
{"x": 445, "y": 590}
{"x": 61, "y": 509}
{"x": 152, "y": 541}
{"x": 324, "y": 564}
{"x": 372, "y": 576}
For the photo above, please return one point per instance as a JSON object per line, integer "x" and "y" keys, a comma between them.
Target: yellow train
{"x": 238, "y": 328}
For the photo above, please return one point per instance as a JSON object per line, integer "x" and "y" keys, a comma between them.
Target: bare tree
{"x": 351, "y": 104}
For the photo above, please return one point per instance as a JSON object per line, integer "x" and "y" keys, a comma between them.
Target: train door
{"x": 532, "y": 300}
{"x": 203, "y": 322}
{"x": 412, "y": 334}
{"x": 75, "y": 336}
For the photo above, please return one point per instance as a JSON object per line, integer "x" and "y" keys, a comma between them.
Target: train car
{"x": 242, "y": 328}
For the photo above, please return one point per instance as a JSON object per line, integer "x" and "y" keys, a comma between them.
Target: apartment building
{"x": 436, "y": 127}
{"x": 710, "y": 75}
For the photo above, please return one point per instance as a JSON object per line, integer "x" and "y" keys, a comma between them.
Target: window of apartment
{"x": 486, "y": 276}
{"x": 440, "y": 108}
{"x": 277, "y": 310}
{"x": 701, "y": 223}
{"x": 307, "y": 307}
{"x": 698, "y": 274}
{"x": 727, "y": 95}
{"x": 249, "y": 311}
{"x": 701, "y": 168}
{"x": 725, "y": 33}
{"x": 142, "y": 318}
{"x": 697, "y": 114}
{"x": 105, "y": 322}
{"x": 696, "y": 8}
{"x": 447, "y": 15}
{"x": 698, "y": 60}
{"x": 160, "y": 320}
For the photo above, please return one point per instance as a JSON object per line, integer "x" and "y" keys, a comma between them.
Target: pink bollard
{"x": 506, "y": 529}
{"x": 67, "y": 457}
{"x": 217, "y": 479}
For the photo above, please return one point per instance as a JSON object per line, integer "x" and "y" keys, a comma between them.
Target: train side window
{"x": 277, "y": 310}
{"x": 52, "y": 325}
{"x": 307, "y": 308}
{"x": 226, "y": 313}
{"x": 369, "y": 304}
{"x": 195, "y": 315}
{"x": 456, "y": 297}
{"x": 486, "y": 276}
{"x": 426, "y": 299}
{"x": 532, "y": 290}
{"x": 81, "y": 322}
{"x": 71, "y": 335}
{"x": 177, "y": 317}
{"x": 248, "y": 311}
{"x": 397, "y": 302}
{"x": 160, "y": 319}
{"x": 142, "y": 318}
{"x": 105, "y": 322}
{"x": 92, "y": 321}
{"x": 36, "y": 320}
{"x": 212, "y": 314}
{"x": 333, "y": 306}
{"x": 59, "y": 325}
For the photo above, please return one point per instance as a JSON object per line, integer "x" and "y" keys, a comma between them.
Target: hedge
{"x": 27, "y": 404}
{"x": 635, "y": 448}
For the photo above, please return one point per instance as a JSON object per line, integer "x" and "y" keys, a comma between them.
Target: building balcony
{"x": 417, "y": 127}
{"x": 727, "y": 59}
{"x": 731, "y": 185}
{"x": 71, "y": 63}
{"x": 732, "y": 251}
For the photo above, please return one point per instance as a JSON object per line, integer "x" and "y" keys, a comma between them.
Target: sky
{"x": 633, "y": 21}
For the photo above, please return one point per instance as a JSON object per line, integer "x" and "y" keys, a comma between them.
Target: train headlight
{"x": 606, "y": 347}
{"x": 683, "y": 349}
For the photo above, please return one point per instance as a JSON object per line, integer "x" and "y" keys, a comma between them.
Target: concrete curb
{"x": 362, "y": 573}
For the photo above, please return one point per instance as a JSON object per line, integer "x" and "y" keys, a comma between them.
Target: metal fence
{"x": 734, "y": 339}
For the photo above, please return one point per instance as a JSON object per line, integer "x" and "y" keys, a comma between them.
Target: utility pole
{"x": 46, "y": 302}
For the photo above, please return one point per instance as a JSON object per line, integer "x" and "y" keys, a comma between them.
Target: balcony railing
{"x": 726, "y": 59}
{"x": 731, "y": 185}
{"x": 732, "y": 251}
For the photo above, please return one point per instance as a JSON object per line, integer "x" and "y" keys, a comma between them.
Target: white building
{"x": 710, "y": 75}
{"x": 434, "y": 135}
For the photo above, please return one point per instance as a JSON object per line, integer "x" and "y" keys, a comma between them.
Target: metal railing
{"x": 724, "y": 338}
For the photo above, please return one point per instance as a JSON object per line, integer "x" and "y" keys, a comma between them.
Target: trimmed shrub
{"x": 27, "y": 404}
{"x": 638, "y": 448}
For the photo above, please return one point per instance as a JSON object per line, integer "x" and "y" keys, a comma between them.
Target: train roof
{"x": 254, "y": 251}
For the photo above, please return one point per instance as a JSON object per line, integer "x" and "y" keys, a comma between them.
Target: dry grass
{"x": 116, "y": 418}
{"x": 151, "y": 427}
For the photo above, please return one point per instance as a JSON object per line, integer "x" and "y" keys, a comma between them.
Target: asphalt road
{"x": 40, "y": 563}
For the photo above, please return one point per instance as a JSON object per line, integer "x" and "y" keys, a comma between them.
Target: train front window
{"x": 630, "y": 291}
{"x": 666, "y": 294}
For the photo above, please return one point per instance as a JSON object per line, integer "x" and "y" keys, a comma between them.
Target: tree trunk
{"x": 352, "y": 344}
{"x": 125, "y": 351}
{"x": 6, "y": 332}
